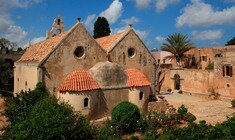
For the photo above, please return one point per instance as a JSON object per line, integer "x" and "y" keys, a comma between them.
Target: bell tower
{"x": 57, "y": 28}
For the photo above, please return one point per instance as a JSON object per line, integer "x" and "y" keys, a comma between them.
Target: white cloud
{"x": 160, "y": 39}
{"x": 8, "y": 29}
{"x": 114, "y": 11}
{"x": 141, "y": 3}
{"x": 89, "y": 22}
{"x": 162, "y": 4}
{"x": 130, "y": 20}
{"x": 142, "y": 34}
{"x": 15, "y": 34}
{"x": 207, "y": 35}
{"x": 32, "y": 41}
{"x": 199, "y": 13}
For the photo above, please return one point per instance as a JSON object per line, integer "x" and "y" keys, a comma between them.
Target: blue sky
{"x": 207, "y": 23}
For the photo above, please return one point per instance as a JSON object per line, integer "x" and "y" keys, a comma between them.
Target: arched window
{"x": 86, "y": 102}
{"x": 58, "y": 22}
{"x": 141, "y": 95}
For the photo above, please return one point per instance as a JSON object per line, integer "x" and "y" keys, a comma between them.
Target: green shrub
{"x": 108, "y": 132}
{"x": 233, "y": 102}
{"x": 182, "y": 110}
{"x": 169, "y": 89}
{"x": 134, "y": 138}
{"x": 189, "y": 117}
{"x": 225, "y": 130}
{"x": 125, "y": 117}
{"x": 18, "y": 108}
{"x": 210, "y": 66}
{"x": 50, "y": 120}
{"x": 180, "y": 92}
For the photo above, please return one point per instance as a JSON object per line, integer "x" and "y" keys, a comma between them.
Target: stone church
{"x": 93, "y": 75}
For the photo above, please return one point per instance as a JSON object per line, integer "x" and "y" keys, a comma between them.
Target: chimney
{"x": 130, "y": 25}
{"x": 79, "y": 19}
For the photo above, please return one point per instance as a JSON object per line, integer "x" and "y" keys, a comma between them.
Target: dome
{"x": 78, "y": 81}
{"x": 109, "y": 75}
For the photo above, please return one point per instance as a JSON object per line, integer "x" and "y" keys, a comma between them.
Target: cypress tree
{"x": 101, "y": 28}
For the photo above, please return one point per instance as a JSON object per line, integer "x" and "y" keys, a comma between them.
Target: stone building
{"x": 201, "y": 80}
{"x": 93, "y": 75}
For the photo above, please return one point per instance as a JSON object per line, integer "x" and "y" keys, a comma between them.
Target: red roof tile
{"x": 136, "y": 78}
{"x": 40, "y": 50}
{"x": 78, "y": 81}
{"x": 110, "y": 41}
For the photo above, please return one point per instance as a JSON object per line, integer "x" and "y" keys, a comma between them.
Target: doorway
{"x": 177, "y": 81}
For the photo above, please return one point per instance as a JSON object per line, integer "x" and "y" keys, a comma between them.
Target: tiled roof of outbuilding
{"x": 136, "y": 78}
{"x": 107, "y": 42}
{"x": 78, "y": 81}
{"x": 40, "y": 50}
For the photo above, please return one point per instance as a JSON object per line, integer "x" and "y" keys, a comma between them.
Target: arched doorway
{"x": 177, "y": 81}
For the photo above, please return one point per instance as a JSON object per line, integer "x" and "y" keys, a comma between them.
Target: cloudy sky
{"x": 206, "y": 22}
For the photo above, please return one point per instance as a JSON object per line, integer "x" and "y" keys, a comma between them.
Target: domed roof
{"x": 136, "y": 78}
{"x": 78, "y": 81}
{"x": 109, "y": 74}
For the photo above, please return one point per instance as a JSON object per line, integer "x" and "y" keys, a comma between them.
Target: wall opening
{"x": 177, "y": 81}
{"x": 131, "y": 52}
{"x": 86, "y": 102}
{"x": 79, "y": 52}
{"x": 141, "y": 95}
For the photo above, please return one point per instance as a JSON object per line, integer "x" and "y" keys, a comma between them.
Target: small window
{"x": 79, "y": 52}
{"x": 141, "y": 95}
{"x": 131, "y": 52}
{"x": 227, "y": 71}
{"x": 86, "y": 102}
{"x": 164, "y": 61}
{"x": 204, "y": 58}
{"x": 158, "y": 61}
{"x": 58, "y": 22}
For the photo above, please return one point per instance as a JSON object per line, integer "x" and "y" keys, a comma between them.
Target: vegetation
{"x": 180, "y": 91}
{"x": 210, "y": 66}
{"x": 230, "y": 42}
{"x": 177, "y": 44}
{"x": 5, "y": 74}
{"x": 225, "y": 130}
{"x": 233, "y": 103}
{"x": 8, "y": 45}
{"x": 101, "y": 28}
{"x": 125, "y": 117}
{"x": 37, "y": 115}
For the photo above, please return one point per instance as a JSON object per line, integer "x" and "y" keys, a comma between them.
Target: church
{"x": 92, "y": 75}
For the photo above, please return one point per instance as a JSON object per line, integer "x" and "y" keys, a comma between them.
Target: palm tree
{"x": 177, "y": 44}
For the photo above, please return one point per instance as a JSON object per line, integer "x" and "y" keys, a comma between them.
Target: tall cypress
{"x": 101, "y": 28}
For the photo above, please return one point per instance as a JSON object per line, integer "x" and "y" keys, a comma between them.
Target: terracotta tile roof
{"x": 78, "y": 81}
{"x": 110, "y": 41}
{"x": 40, "y": 50}
{"x": 136, "y": 78}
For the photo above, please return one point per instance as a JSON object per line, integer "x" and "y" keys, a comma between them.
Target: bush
{"x": 182, "y": 110}
{"x": 108, "y": 132}
{"x": 180, "y": 92}
{"x": 37, "y": 115}
{"x": 233, "y": 103}
{"x": 210, "y": 66}
{"x": 189, "y": 117}
{"x": 18, "y": 108}
{"x": 225, "y": 130}
{"x": 125, "y": 117}
{"x": 169, "y": 89}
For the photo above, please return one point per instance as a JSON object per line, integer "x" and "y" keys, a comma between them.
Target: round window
{"x": 131, "y": 52}
{"x": 79, "y": 52}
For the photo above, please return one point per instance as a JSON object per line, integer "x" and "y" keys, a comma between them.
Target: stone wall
{"x": 63, "y": 61}
{"x": 142, "y": 58}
